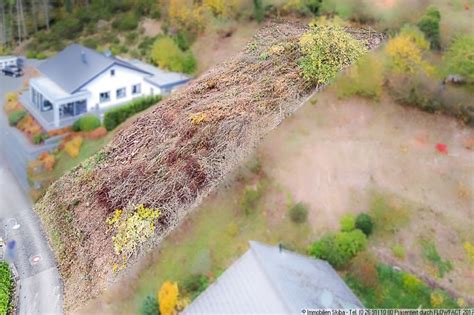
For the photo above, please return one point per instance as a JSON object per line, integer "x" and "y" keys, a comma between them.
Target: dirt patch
{"x": 212, "y": 48}
{"x": 332, "y": 155}
{"x": 151, "y": 27}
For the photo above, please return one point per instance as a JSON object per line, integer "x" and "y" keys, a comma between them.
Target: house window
{"x": 136, "y": 89}
{"x": 121, "y": 93}
{"x": 112, "y": 72}
{"x": 104, "y": 97}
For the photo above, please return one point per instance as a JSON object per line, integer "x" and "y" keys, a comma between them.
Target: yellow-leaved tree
{"x": 168, "y": 298}
{"x": 405, "y": 52}
{"x": 185, "y": 15}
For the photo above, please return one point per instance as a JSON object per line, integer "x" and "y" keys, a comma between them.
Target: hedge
{"x": 118, "y": 115}
{"x": 6, "y": 284}
{"x": 15, "y": 117}
{"x": 89, "y": 123}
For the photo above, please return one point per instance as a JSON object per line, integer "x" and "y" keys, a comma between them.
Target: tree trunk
{"x": 46, "y": 13}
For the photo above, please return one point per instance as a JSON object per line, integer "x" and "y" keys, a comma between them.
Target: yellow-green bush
{"x": 326, "y": 50}
{"x": 132, "y": 228}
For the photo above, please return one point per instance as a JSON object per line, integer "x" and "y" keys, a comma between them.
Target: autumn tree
{"x": 167, "y": 55}
{"x": 405, "y": 52}
{"x": 168, "y": 298}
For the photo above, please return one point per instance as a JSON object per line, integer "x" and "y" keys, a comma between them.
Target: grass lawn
{"x": 395, "y": 289}
{"x": 213, "y": 237}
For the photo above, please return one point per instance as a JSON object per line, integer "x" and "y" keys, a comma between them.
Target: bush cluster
{"x": 150, "y": 306}
{"x": 395, "y": 289}
{"x": 195, "y": 284}
{"x": 15, "y": 117}
{"x": 118, "y": 115}
{"x": 126, "y": 22}
{"x": 299, "y": 213}
{"x": 6, "y": 284}
{"x": 429, "y": 24}
{"x": 326, "y": 50}
{"x": 339, "y": 248}
{"x": 167, "y": 54}
{"x": 428, "y": 95}
{"x": 364, "y": 223}
{"x": 86, "y": 123}
{"x": 459, "y": 58}
{"x": 365, "y": 79}
{"x": 250, "y": 199}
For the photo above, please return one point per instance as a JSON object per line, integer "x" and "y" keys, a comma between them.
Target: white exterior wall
{"x": 123, "y": 78}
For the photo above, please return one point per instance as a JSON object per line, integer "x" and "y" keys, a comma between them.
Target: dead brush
{"x": 170, "y": 161}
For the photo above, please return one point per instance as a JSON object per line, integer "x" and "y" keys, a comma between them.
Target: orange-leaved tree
{"x": 168, "y": 298}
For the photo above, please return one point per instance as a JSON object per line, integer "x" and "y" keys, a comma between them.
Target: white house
{"x": 79, "y": 80}
{"x": 8, "y": 61}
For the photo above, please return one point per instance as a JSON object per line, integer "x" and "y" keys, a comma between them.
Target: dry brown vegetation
{"x": 174, "y": 155}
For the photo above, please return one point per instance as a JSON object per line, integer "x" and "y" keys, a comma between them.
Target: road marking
{"x": 35, "y": 259}
{"x": 13, "y": 223}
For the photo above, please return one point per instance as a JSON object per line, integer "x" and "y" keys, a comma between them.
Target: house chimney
{"x": 83, "y": 57}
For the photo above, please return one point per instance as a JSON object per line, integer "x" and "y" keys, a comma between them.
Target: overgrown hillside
{"x": 99, "y": 215}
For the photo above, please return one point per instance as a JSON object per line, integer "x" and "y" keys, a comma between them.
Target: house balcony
{"x": 51, "y": 106}
{"x": 54, "y": 118}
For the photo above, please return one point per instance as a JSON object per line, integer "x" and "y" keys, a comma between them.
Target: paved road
{"x": 40, "y": 283}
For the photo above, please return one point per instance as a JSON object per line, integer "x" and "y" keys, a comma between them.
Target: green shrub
{"x": 150, "y": 306}
{"x": 398, "y": 251}
{"x": 76, "y": 126}
{"x": 39, "y": 138}
{"x": 91, "y": 43}
{"x": 6, "y": 285}
{"x": 355, "y": 10}
{"x": 299, "y": 213}
{"x": 258, "y": 10}
{"x": 429, "y": 24}
{"x": 326, "y": 50}
{"x": 68, "y": 28}
{"x": 88, "y": 123}
{"x": 347, "y": 222}
{"x": 339, "y": 248}
{"x": 430, "y": 253}
{"x": 118, "y": 115}
{"x": 459, "y": 58}
{"x": 364, "y": 223}
{"x": 365, "y": 78}
{"x": 41, "y": 56}
{"x": 195, "y": 285}
{"x": 126, "y": 22}
{"x": 250, "y": 199}
{"x": 167, "y": 55}
{"x": 15, "y": 117}
{"x": 395, "y": 289}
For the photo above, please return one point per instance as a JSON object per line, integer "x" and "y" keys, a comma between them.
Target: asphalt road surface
{"x": 40, "y": 287}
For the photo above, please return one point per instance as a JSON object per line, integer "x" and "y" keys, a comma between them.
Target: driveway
{"x": 40, "y": 288}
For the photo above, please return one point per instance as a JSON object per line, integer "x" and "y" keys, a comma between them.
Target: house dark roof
{"x": 269, "y": 280}
{"x": 76, "y": 65}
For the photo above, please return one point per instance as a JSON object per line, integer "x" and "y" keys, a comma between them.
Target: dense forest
{"x": 19, "y": 19}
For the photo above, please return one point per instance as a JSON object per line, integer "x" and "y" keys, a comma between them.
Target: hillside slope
{"x": 173, "y": 155}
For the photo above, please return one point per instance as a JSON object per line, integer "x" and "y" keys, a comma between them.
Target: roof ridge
{"x": 275, "y": 288}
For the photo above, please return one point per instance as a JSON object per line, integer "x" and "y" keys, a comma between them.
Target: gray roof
{"x": 159, "y": 77}
{"x": 269, "y": 280}
{"x": 76, "y": 65}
